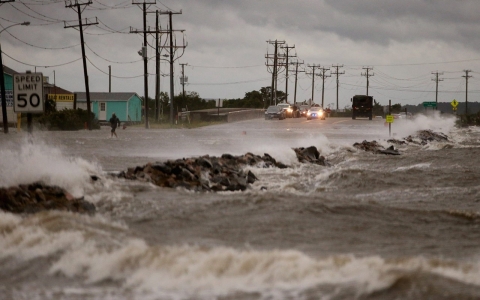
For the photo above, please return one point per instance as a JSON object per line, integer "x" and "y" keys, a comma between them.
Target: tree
{"x": 253, "y": 99}
{"x": 377, "y": 108}
{"x": 396, "y": 108}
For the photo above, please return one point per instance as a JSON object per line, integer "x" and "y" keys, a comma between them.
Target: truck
{"x": 362, "y": 106}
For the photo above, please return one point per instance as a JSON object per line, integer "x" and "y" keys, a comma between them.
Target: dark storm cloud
{"x": 234, "y": 33}
{"x": 372, "y": 21}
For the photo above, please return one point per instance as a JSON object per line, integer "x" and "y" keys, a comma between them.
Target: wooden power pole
{"x": 77, "y": 6}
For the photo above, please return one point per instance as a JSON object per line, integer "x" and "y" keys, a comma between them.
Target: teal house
{"x": 127, "y": 106}
{"x": 8, "y": 80}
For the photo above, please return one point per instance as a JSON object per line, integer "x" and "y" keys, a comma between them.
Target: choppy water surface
{"x": 368, "y": 227}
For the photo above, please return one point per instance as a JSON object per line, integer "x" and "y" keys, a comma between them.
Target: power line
{"x": 235, "y": 82}
{"x": 39, "y": 66}
{"x": 228, "y": 67}
{"x": 111, "y": 61}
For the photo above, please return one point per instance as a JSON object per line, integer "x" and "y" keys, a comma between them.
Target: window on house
{"x": 102, "y": 106}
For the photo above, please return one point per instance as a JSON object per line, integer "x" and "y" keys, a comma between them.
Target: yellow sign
{"x": 61, "y": 97}
{"x": 389, "y": 119}
{"x": 454, "y": 103}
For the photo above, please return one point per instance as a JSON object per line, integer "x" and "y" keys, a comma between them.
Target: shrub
{"x": 68, "y": 119}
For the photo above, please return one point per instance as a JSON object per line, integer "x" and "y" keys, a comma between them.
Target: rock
{"x": 251, "y": 178}
{"x": 204, "y": 162}
{"x": 389, "y": 151}
{"x": 376, "y": 148}
{"x": 37, "y": 197}
{"x": 310, "y": 155}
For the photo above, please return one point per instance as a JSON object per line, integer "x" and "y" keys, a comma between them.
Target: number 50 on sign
{"x": 28, "y": 93}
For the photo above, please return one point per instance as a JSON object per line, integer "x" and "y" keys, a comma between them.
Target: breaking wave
{"x": 96, "y": 251}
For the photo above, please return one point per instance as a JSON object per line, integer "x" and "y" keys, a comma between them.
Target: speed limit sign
{"x": 28, "y": 93}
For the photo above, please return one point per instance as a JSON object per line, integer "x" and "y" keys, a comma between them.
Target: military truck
{"x": 362, "y": 106}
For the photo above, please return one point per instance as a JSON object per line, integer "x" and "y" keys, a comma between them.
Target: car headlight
{"x": 289, "y": 110}
{"x": 320, "y": 113}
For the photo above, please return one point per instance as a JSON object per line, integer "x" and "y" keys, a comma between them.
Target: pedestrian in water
{"x": 114, "y": 122}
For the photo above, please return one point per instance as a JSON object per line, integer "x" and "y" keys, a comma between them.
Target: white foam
{"x": 415, "y": 166}
{"x": 94, "y": 250}
{"x": 187, "y": 271}
{"x": 47, "y": 233}
{"x": 435, "y": 122}
{"x": 36, "y": 161}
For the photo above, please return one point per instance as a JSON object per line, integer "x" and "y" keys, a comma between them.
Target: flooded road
{"x": 367, "y": 227}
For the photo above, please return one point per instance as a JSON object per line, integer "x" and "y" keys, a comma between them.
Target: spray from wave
{"x": 32, "y": 161}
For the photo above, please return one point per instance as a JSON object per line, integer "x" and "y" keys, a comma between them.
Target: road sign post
{"x": 28, "y": 95}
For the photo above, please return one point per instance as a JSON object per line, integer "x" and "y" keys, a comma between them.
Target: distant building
{"x": 8, "y": 78}
{"x": 127, "y": 106}
{"x": 63, "y": 98}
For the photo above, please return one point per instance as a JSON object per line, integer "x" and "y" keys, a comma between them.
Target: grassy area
{"x": 154, "y": 125}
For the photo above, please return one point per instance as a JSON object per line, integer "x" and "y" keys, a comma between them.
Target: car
{"x": 303, "y": 110}
{"x": 287, "y": 108}
{"x": 275, "y": 112}
{"x": 405, "y": 115}
{"x": 316, "y": 113}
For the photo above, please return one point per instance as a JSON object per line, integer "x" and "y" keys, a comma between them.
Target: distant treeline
{"x": 445, "y": 107}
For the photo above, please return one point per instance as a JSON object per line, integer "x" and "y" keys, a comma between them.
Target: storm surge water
{"x": 369, "y": 226}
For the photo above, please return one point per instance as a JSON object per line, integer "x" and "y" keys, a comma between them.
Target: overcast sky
{"x": 402, "y": 41}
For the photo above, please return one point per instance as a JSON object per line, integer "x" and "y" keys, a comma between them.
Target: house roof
{"x": 51, "y": 89}
{"x": 95, "y": 96}
{"x": 9, "y": 71}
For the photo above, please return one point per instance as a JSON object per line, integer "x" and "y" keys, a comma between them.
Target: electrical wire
{"x": 39, "y": 47}
{"x": 231, "y": 67}
{"x": 120, "y": 77}
{"x": 236, "y": 82}
{"x": 38, "y": 66}
{"x": 111, "y": 61}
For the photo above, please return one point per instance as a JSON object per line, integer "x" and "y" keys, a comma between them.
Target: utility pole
{"x": 466, "y": 89}
{"x": 313, "y": 80}
{"x": 337, "y": 73}
{"x": 368, "y": 75}
{"x": 287, "y": 49}
{"x": 436, "y": 79}
{"x": 144, "y": 53}
{"x": 183, "y": 80}
{"x": 171, "y": 46}
{"x": 157, "y": 66}
{"x": 323, "y": 74}
{"x": 77, "y": 6}
{"x": 157, "y": 31}
{"x": 109, "y": 79}
{"x": 296, "y": 76}
{"x": 275, "y": 71}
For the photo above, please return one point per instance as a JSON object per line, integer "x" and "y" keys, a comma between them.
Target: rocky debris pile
{"x": 210, "y": 173}
{"x": 37, "y": 197}
{"x": 376, "y": 148}
{"x": 426, "y": 136}
{"x": 204, "y": 173}
{"x": 422, "y": 137}
{"x": 310, "y": 155}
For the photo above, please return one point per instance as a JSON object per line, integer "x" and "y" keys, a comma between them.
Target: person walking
{"x": 114, "y": 122}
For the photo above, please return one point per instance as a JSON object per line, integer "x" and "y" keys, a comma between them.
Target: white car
{"x": 316, "y": 112}
{"x": 287, "y": 108}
